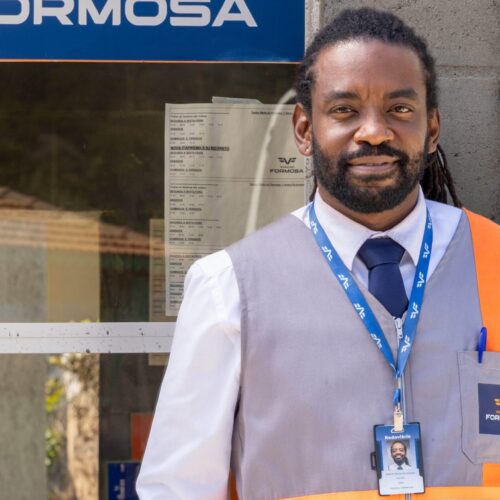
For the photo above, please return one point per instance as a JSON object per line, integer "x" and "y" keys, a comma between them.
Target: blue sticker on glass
{"x": 489, "y": 409}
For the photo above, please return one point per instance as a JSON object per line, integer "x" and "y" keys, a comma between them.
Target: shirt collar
{"x": 347, "y": 236}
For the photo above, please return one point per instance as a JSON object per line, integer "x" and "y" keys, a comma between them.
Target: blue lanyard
{"x": 360, "y": 304}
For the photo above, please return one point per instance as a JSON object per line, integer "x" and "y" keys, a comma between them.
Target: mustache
{"x": 368, "y": 150}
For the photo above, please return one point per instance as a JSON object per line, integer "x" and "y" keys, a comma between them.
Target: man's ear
{"x": 302, "y": 129}
{"x": 433, "y": 129}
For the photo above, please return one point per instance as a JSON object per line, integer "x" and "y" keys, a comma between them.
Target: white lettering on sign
{"x": 492, "y": 417}
{"x": 244, "y": 14}
{"x": 111, "y": 7}
{"x": 17, "y": 18}
{"x": 155, "y": 20}
{"x": 199, "y": 15}
{"x": 193, "y": 13}
{"x": 41, "y": 9}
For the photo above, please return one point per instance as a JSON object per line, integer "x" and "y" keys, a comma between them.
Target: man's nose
{"x": 374, "y": 129}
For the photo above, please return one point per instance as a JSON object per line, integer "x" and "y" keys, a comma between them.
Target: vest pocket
{"x": 480, "y": 400}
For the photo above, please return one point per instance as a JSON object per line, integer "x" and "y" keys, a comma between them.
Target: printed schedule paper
{"x": 229, "y": 169}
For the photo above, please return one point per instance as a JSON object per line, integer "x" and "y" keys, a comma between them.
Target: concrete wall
{"x": 464, "y": 38}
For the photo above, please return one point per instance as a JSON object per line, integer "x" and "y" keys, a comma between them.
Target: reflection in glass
{"x": 72, "y": 428}
{"x": 69, "y": 420}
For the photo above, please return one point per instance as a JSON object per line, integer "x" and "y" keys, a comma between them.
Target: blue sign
{"x": 121, "y": 480}
{"x": 152, "y": 30}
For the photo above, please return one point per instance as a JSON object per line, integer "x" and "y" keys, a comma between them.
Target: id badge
{"x": 400, "y": 468}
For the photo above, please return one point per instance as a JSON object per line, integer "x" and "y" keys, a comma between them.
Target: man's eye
{"x": 340, "y": 110}
{"x": 401, "y": 108}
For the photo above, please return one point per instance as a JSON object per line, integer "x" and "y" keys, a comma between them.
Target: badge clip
{"x": 398, "y": 419}
{"x": 398, "y": 414}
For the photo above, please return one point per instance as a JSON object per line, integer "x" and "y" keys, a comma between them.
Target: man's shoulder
{"x": 444, "y": 212}
{"x": 446, "y": 218}
{"x": 219, "y": 262}
{"x": 271, "y": 232}
{"x": 441, "y": 212}
{"x": 482, "y": 224}
{"x": 212, "y": 265}
{"x": 486, "y": 242}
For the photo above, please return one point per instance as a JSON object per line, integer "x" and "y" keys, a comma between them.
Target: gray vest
{"x": 313, "y": 383}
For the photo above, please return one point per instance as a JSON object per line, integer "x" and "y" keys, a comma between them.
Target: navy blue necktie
{"x": 382, "y": 257}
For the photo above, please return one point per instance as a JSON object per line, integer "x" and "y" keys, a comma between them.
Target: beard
{"x": 333, "y": 174}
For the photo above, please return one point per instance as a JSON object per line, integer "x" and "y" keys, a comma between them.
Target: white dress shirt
{"x": 396, "y": 467}
{"x": 189, "y": 447}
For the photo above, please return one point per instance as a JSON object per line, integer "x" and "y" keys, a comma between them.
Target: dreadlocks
{"x": 369, "y": 23}
{"x": 437, "y": 178}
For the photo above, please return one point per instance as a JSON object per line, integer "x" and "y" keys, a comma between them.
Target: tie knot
{"x": 377, "y": 251}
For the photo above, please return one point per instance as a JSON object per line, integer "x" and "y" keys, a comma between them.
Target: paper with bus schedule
{"x": 229, "y": 169}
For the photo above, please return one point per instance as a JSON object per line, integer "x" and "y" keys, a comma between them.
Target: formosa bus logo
{"x": 489, "y": 409}
{"x": 286, "y": 165}
{"x": 197, "y": 13}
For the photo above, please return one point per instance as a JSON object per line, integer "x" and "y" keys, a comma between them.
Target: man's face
{"x": 370, "y": 129}
{"x": 398, "y": 453}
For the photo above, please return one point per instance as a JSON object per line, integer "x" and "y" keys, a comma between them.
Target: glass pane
{"x": 82, "y": 179}
{"x": 74, "y": 426}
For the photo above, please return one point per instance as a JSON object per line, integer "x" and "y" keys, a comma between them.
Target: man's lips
{"x": 373, "y": 164}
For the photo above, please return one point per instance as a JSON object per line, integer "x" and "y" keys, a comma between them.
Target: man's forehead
{"x": 360, "y": 63}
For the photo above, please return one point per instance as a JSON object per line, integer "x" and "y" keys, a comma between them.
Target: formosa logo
{"x": 345, "y": 282}
{"x": 415, "y": 311}
{"x": 360, "y": 310}
{"x": 136, "y": 12}
{"x": 377, "y": 340}
{"x": 489, "y": 409}
{"x": 327, "y": 251}
{"x": 494, "y": 416}
{"x": 407, "y": 344}
{"x": 427, "y": 251}
{"x": 421, "y": 280}
{"x": 287, "y": 166}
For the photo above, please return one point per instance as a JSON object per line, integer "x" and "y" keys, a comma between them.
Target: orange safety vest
{"x": 486, "y": 243}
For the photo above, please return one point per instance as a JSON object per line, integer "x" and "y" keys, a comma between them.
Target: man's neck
{"x": 377, "y": 221}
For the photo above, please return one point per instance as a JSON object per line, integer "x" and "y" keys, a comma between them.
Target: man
{"x": 398, "y": 454}
{"x": 275, "y": 371}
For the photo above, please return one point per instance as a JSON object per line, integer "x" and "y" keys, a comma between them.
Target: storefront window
{"x": 82, "y": 207}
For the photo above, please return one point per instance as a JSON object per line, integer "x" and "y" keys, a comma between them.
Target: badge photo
{"x": 399, "y": 459}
